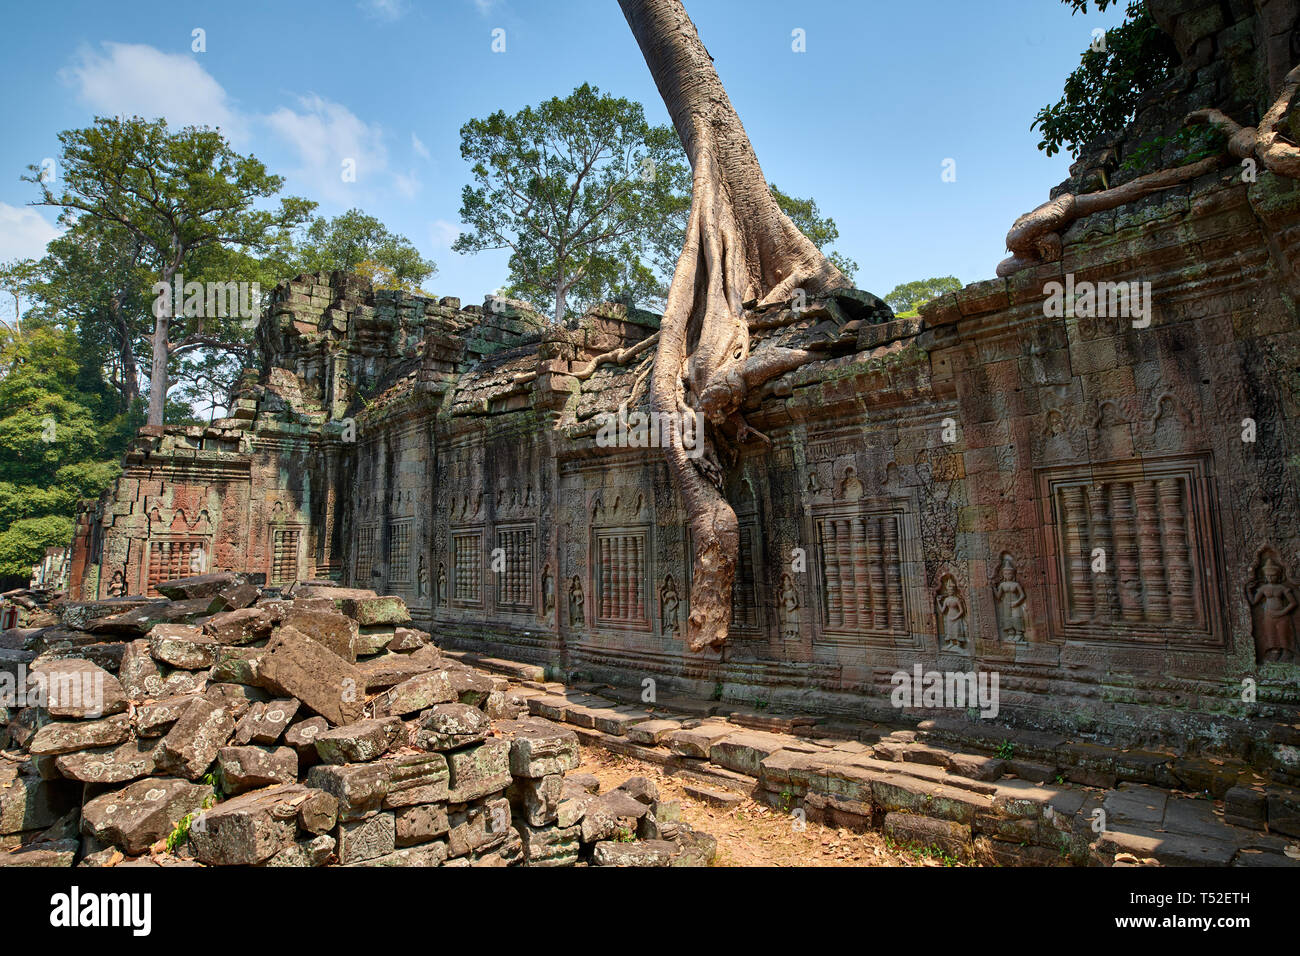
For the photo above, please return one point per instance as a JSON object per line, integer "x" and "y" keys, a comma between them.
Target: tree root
{"x": 614, "y": 357}
{"x": 1035, "y": 237}
{"x": 1264, "y": 142}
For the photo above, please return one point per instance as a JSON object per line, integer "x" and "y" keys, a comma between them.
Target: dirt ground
{"x": 754, "y": 834}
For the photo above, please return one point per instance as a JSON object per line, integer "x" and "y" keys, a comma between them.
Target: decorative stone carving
{"x": 440, "y": 596}
{"x": 851, "y": 488}
{"x": 952, "y": 617}
{"x": 422, "y": 579}
{"x": 861, "y": 560}
{"x": 1009, "y": 599}
{"x": 1273, "y": 605}
{"x": 577, "y": 617}
{"x": 670, "y": 607}
{"x": 789, "y": 609}
{"x": 117, "y": 584}
{"x": 548, "y": 592}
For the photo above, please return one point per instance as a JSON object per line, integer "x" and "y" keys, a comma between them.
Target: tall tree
{"x": 579, "y": 190}
{"x": 356, "y": 242}
{"x": 739, "y": 247}
{"x": 179, "y": 195}
{"x": 910, "y": 296}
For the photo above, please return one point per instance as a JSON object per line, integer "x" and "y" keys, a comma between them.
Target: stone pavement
{"x": 977, "y": 791}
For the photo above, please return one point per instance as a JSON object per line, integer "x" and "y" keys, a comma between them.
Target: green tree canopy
{"x": 356, "y": 242}
{"x": 1101, "y": 96}
{"x": 910, "y": 296}
{"x": 188, "y": 200}
{"x": 581, "y": 190}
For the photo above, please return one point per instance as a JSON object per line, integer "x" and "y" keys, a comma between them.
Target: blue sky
{"x": 863, "y": 121}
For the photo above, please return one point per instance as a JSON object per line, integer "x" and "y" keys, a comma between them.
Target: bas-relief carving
{"x": 577, "y": 612}
{"x": 952, "y": 616}
{"x": 1009, "y": 602}
{"x": 670, "y": 608}
{"x": 789, "y": 609}
{"x": 1271, "y": 594}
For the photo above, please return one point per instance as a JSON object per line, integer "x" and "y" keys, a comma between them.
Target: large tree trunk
{"x": 739, "y": 247}
{"x": 158, "y": 371}
{"x": 130, "y": 386}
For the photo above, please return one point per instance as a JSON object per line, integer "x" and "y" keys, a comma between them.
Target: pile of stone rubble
{"x": 222, "y": 726}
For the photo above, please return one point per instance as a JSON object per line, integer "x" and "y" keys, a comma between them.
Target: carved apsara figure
{"x": 117, "y": 585}
{"x": 422, "y": 579}
{"x": 577, "y": 617}
{"x": 1273, "y": 602}
{"x": 1010, "y": 601}
{"x": 670, "y": 606}
{"x": 440, "y": 596}
{"x": 548, "y": 591}
{"x": 952, "y": 614}
{"x": 789, "y": 596}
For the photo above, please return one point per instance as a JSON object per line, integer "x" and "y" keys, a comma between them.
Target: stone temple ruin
{"x": 1095, "y": 502}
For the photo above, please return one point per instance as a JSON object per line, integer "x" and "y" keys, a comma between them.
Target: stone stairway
{"x": 977, "y": 792}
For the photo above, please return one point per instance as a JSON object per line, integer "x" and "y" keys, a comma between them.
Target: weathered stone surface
{"x": 478, "y": 771}
{"x": 265, "y": 721}
{"x": 154, "y": 719}
{"x": 77, "y": 688}
{"x": 191, "y": 745}
{"x": 361, "y": 742}
{"x": 141, "y": 620}
{"x": 421, "y": 823}
{"x": 138, "y": 673}
{"x": 233, "y": 598}
{"x": 141, "y": 813}
{"x": 694, "y": 847}
{"x": 407, "y": 639}
{"x": 306, "y": 853}
{"x": 52, "y": 854}
{"x": 129, "y": 761}
{"x": 426, "y": 854}
{"x": 549, "y": 845}
{"x": 697, "y": 741}
{"x": 28, "y": 802}
{"x": 478, "y": 827}
{"x": 328, "y": 628}
{"x": 298, "y": 666}
{"x": 198, "y": 586}
{"x": 913, "y": 829}
{"x": 370, "y": 611}
{"x": 319, "y": 813}
{"x": 367, "y": 839}
{"x": 415, "y": 778}
{"x": 302, "y": 738}
{"x": 183, "y": 645}
{"x": 652, "y": 732}
{"x": 448, "y": 726}
{"x": 242, "y": 626}
{"x": 65, "y": 737}
{"x": 248, "y": 829}
{"x": 539, "y": 747}
{"x": 415, "y": 694}
{"x": 643, "y": 853}
{"x": 536, "y": 801}
{"x": 470, "y": 686}
{"x": 248, "y": 768}
{"x": 359, "y": 788}
{"x": 612, "y": 816}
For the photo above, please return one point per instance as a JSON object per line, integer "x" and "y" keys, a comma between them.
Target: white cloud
{"x": 128, "y": 79}
{"x": 389, "y": 10}
{"x": 23, "y": 233}
{"x": 420, "y": 149}
{"x": 325, "y": 135}
{"x": 485, "y": 6}
{"x": 444, "y": 233}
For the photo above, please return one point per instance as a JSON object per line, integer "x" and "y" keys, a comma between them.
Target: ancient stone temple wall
{"x": 1081, "y": 478}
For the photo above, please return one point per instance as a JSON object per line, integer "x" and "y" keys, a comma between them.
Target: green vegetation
{"x": 1101, "y": 96}
{"x": 910, "y": 296}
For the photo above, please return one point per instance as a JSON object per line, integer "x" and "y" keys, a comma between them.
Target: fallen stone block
{"x": 55, "y": 853}
{"x": 183, "y": 645}
{"x": 415, "y": 694}
{"x": 612, "y": 816}
{"x": 640, "y": 853}
{"x": 722, "y": 799}
{"x": 233, "y": 598}
{"x": 141, "y": 620}
{"x": 306, "y": 853}
{"x": 421, "y": 823}
{"x": 141, "y": 813}
{"x": 300, "y": 667}
{"x": 426, "y": 854}
{"x": 477, "y": 828}
{"x": 330, "y": 629}
{"x": 191, "y": 745}
{"x": 415, "y": 778}
{"x": 914, "y": 829}
{"x": 359, "y": 788}
{"x": 302, "y": 738}
{"x": 266, "y": 721}
{"x": 249, "y": 768}
{"x": 248, "y": 829}
{"x": 66, "y": 737}
{"x": 154, "y": 719}
{"x": 30, "y": 803}
{"x": 367, "y": 839}
{"x": 539, "y": 748}
{"x": 139, "y": 673}
{"x": 371, "y": 611}
{"x": 242, "y": 626}
{"x": 112, "y": 765}
{"x": 197, "y": 586}
{"x": 536, "y": 801}
{"x": 549, "y": 845}
{"x": 448, "y": 726}
{"x": 478, "y": 771}
{"x": 361, "y": 742}
{"x": 319, "y": 813}
{"x": 77, "y": 688}
{"x": 697, "y": 741}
